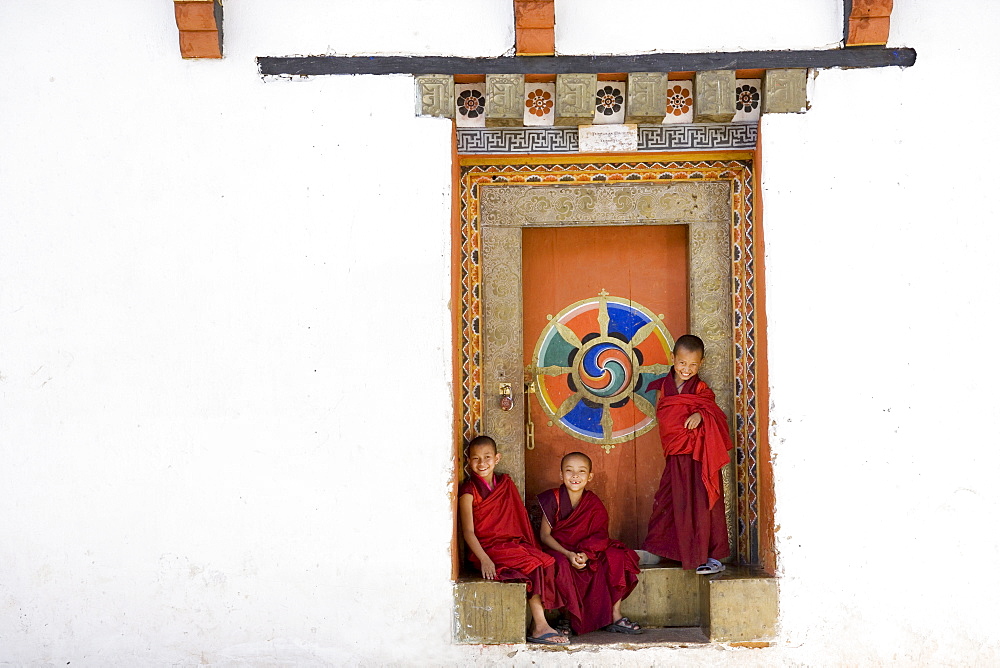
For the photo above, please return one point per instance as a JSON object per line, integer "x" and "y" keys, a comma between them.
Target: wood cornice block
{"x": 575, "y": 98}
{"x": 868, "y": 31}
{"x": 435, "y": 95}
{"x": 647, "y": 97}
{"x": 870, "y": 8}
{"x": 200, "y": 44}
{"x": 785, "y": 91}
{"x": 504, "y": 100}
{"x": 535, "y": 14}
{"x": 715, "y": 96}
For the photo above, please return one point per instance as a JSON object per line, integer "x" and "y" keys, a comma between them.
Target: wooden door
{"x": 601, "y": 308}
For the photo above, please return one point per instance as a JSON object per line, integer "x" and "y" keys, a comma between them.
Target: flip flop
{"x": 710, "y": 567}
{"x": 542, "y": 639}
{"x": 623, "y": 625}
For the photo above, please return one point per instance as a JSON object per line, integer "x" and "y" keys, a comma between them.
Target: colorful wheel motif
{"x": 592, "y": 363}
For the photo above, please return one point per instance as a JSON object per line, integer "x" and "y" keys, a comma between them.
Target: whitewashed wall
{"x": 225, "y": 401}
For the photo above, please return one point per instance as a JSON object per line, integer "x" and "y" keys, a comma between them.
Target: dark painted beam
{"x": 848, "y": 5}
{"x": 861, "y": 56}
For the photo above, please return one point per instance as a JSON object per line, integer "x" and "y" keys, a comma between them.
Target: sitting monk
{"x": 501, "y": 542}
{"x": 593, "y": 573}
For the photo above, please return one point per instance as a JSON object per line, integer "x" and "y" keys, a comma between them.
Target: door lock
{"x": 506, "y": 397}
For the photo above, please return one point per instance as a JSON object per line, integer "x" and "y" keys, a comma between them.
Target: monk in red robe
{"x": 593, "y": 572}
{"x": 501, "y": 542}
{"x": 688, "y": 522}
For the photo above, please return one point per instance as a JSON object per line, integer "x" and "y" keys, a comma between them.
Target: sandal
{"x": 624, "y": 625}
{"x": 710, "y": 567}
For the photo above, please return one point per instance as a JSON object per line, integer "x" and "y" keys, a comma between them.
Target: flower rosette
{"x": 609, "y": 100}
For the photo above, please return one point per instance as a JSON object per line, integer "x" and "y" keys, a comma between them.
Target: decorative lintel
{"x": 855, "y": 57}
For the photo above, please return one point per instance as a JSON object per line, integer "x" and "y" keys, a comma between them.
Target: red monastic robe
{"x": 588, "y": 594}
{"x": 688, "y": 522}
{"x": 505, "y": 534}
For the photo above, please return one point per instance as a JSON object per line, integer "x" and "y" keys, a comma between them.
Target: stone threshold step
{"x": 738, "y": 605}
{"x": 678, "y": 637}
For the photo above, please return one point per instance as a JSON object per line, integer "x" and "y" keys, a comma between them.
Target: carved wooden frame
{"x": 500, "y": 196}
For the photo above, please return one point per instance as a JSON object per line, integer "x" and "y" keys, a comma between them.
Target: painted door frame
{"x": 713, "y": 195}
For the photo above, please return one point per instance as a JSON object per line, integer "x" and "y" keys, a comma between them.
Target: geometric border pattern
{"x": 660, "y": 138}
{"x": 740, "y": 175}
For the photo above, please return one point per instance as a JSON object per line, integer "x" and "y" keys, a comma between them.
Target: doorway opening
{"x": 548, "y": 246}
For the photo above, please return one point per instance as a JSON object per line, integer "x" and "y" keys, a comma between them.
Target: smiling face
{"x": 576, "y": 473}
{"x": 686, "y": 364}
{"x": 482, "y": 460}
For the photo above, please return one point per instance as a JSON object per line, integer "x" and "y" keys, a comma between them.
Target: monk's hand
{"x": 489, "y": 569}
{"x": 693, "y": 420}
{"x": 579, "y": 560}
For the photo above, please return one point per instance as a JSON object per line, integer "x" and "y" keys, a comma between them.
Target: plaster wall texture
{"x": 651, "y": 26}
{"x": 225, "y": 351}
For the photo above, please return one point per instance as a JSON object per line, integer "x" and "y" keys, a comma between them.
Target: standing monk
{"x": 501, "y": 541}
{"x": 593, "y": 572}
{"x": 688, "y": 522}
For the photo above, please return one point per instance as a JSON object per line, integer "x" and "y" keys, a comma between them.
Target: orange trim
{"x": 199, "y": 29}
{"x": 195, "y": 15}
{"x": 868, "y": 31}
{"x": 535, "y": 27}
{"x": 535, "y": 41}
{"x": 456, "y": 349}
{"x": 535, "y": 14}
{"x": 200, "y": 44}
{"x": 765, "y": 472}
{"x": 868, "y": 8}
{"x": 576, "y": 158}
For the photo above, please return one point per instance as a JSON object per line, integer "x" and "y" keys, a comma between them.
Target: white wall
{"x": 225, "y": 389}
{"x": 882, "y": 275}
{"x": 655, "y": 26}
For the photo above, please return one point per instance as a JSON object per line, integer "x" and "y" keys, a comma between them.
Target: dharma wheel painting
{"x": 592, "y": 364}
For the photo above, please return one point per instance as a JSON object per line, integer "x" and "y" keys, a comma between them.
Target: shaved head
{"x": 579, "y": 455}
{"x": 691, "y": 344}
{"x": 483, "y": 440}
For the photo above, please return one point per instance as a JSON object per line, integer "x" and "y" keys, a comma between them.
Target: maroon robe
{"x": 505, "y": 534}
{"x": 588, "y": 594}
{"x": 688, "y": 522}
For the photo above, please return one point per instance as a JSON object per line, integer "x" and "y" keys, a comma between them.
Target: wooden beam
{"x": 856, "y": 57}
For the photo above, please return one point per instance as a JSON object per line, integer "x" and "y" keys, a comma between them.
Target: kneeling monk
{"x": 593, "y": 572}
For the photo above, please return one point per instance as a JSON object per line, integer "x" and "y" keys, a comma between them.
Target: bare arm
{"x": 578, "y": 559}
{"x": 469, "y": 534}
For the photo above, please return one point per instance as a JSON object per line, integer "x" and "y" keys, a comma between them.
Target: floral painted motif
{"x": 471, "y": 103}
{"x": 609, "y": 100}
{"x": 679, "y": 100}
{"x": 539, "y": 102}
{"x": 747, "y": 98}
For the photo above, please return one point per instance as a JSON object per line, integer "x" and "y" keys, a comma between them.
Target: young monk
{"x": 501, "y": 542}
{"x": 688, "y": 522}
{"x": 593, "y": 572}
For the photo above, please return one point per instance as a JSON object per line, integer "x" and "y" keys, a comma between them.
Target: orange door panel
{"x": 602, "y": 306}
